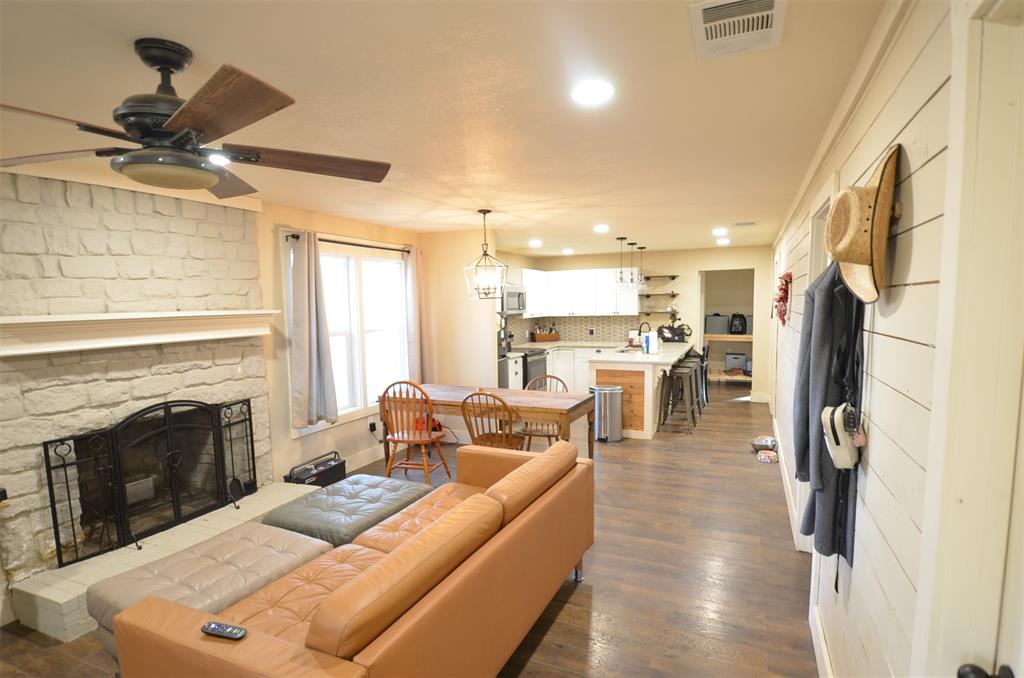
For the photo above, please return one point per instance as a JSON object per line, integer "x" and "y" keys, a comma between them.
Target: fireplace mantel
{"x": 41, "y": 334}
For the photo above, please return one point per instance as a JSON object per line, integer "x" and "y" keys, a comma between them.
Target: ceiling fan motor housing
{"x": 143, "y": 115}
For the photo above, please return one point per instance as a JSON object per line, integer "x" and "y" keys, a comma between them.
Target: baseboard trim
{"x": 800, "y": 542}
{"x": 357, "y": 460}
{"x": 821, "y": 654}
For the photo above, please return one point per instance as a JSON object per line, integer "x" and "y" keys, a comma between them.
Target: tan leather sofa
{"x": 448, "y": 586}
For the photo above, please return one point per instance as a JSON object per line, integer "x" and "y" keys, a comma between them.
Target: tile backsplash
{"x": 577, "y": 328}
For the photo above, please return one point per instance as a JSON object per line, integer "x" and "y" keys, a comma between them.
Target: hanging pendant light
{"x": 485, "y": 277}
{"x": 641, "y": 280}
{"x": 632, "y": 271}
{"x": 622, "y": 278}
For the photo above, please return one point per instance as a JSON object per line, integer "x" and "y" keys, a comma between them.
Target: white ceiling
{"x": 469, "y": 101}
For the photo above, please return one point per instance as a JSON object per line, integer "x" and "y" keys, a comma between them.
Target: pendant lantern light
{"x": 641, "y": 280}
{"x": 485, "y": 277}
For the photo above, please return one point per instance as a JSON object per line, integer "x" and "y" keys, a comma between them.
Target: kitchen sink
{"x": 628, "y": 349}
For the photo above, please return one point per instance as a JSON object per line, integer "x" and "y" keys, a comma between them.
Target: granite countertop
{"x": 567, "y": 344}
{"x": 670, "y": 352}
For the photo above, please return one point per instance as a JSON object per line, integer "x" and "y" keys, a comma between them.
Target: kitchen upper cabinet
{"x": 584, "y": 292}
{"x": 535, "y": 287}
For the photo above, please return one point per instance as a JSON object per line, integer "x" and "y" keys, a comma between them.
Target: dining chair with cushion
{"x": 489, "y": 421}
{"x": 409, "y": 417}
{"x": 543, "y": 429}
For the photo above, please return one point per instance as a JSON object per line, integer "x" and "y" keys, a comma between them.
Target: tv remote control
{"x": 223, "y": 630}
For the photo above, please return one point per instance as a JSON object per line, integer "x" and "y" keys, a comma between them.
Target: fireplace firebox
{"x": 159, "y": 467}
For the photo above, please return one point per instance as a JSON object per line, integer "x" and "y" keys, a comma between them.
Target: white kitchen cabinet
{"x": 581, "y": 368}
{"x": 515, "y": 365}
{"x": 561, "y": 364}
{"x": 627, "y": 301}
{"x": 535, "y": 286}
{"x": 570, "y": 293}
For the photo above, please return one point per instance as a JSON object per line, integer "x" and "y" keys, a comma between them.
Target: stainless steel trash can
{"x": 607, "y": 413}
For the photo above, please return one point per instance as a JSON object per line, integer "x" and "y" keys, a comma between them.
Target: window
{"x": 364, "y": 290}
{"x": 367, "y": 320}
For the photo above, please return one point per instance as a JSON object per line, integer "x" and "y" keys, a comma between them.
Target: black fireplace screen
{"x": 159, "y": 467}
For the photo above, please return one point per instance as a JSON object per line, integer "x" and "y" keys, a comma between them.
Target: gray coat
{"x": 831, "y": 510}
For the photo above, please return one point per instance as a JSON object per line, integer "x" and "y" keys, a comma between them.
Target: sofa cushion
{"x": 285, "y": 607}
{"x": 338, "y": 512}
{"x": 351, "y": 617}
{"x": 521, "y": 487}
{"x": 208, "y": 576}
{"x": 390, "y": 533}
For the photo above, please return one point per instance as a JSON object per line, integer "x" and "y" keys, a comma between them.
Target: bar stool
{"x": 696, "y": 383}
{"x": 681, "y": 380}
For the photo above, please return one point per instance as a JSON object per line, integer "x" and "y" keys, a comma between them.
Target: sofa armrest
{"x": 484, "y": 466}
{"x": 157, "y": 638}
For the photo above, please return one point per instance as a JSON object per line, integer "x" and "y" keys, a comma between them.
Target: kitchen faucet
{"x": 640, "y": 330}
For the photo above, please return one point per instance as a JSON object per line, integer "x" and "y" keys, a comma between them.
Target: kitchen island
{"x": 603, "y": 363}
{"x": 639, "y": 374}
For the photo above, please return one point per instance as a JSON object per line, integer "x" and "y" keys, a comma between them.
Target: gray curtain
{"x": 313, "y": 395}
{"x": 412, "y": 306}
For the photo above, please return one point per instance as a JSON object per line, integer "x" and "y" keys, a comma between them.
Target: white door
{"x": 560, "y": 364}
{"x": 535, "y": 286}
{"x": 605, "y": 282}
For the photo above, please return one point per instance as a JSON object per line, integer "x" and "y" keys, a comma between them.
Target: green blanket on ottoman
{"x": 338, "y": 513}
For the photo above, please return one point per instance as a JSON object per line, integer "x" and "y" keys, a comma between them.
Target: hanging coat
{"x": 826, "y": 332}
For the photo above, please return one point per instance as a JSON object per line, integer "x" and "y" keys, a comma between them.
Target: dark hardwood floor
{"x": 692, "y": 573}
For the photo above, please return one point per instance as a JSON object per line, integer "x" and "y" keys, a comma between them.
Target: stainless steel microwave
{"x": 515, "y": 299}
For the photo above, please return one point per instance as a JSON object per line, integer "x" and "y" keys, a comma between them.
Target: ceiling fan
{"x": 173, "y": 133}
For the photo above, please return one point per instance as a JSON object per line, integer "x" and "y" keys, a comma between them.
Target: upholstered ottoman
{"x": 340, "y": 512}
{"x": 209, "y": 576}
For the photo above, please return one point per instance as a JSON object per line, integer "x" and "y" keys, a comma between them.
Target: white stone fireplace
{"x": 110, "y": 301}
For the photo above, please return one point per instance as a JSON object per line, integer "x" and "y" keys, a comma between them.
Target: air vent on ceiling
{"x": 721, "y": 28}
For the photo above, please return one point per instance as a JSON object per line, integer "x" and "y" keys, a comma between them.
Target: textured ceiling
{"x": 469, "y": 101}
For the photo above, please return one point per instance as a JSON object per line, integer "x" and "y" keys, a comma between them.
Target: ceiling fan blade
{"x": 228, "y": 101}
{"x": 84, "y": 126}
{"x": 231, "y": 187}
{"x": 331, "y": 165}
{"x": 61, "y": 155}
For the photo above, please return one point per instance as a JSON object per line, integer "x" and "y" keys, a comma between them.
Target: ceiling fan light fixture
{"x": 169, "y": 168}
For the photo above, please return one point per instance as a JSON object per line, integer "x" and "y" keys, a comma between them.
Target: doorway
{"x": 727, "y": 312}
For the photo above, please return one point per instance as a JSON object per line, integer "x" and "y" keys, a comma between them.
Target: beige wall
{"x": 868, "y": 626}
{"x": 688, "y": 264}
{"x": 459, "y": 334}
{"x": 729, "y": 292}
{"x": 352, "y": 438}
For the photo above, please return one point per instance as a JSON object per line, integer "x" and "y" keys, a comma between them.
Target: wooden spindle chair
{"x": 543, "y": 429}
{"x": 489, "y": 421}
{"x": 409, "y": 415}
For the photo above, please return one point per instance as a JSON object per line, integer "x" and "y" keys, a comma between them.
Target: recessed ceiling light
{"x": 592, "y": 92}
{"x": 535, "y": 243}
{"x": 720, "y": 231}
{"x": 602, "y": 228}
{"x": 567, "y": 251}
{"x": 722, "y": 241}
{"x": 218, "y": 159}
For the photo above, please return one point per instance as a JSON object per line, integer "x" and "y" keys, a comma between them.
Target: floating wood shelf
{"x": 720, "y": 375}
{"x": 40, "y": 334}
{"x": 748, "y": 338}
{"x": 659, "y": 294}
{"x": 656, "y": 277}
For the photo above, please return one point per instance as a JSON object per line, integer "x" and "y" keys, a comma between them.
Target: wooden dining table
{"x": 533, "y": 406}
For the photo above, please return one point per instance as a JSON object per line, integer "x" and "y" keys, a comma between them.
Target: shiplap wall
{"x": 868, "y": 625}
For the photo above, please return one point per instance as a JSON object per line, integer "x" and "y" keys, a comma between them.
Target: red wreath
{"x": 782, "y": 297}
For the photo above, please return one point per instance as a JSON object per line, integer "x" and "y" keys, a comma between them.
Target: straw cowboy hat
{"x": 858, "y": 229}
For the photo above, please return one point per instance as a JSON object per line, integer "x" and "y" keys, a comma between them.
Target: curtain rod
{"x": 295, "y": 236}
